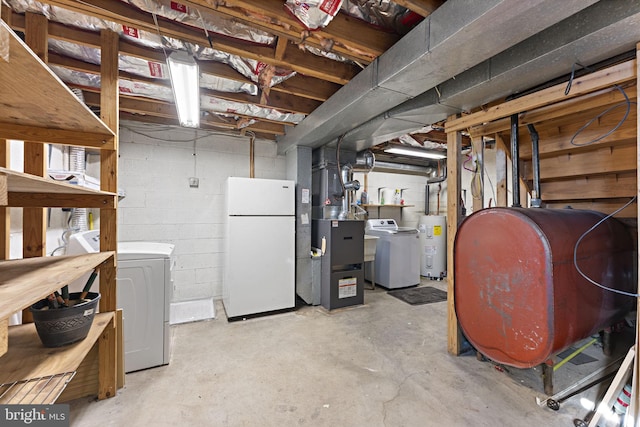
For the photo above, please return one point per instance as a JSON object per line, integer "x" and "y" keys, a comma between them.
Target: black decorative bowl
{"x": 66, "y": 325}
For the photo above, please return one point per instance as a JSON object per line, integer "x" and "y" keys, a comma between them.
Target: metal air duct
{"x": 423, "y": 59}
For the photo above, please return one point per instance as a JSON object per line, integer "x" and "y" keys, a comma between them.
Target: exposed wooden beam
{"x": 145, "y": 118}
{"x": 634, "y": 406}
{"x": 281, "y": 47}
{"x": 590, "y": 187}
{"x": 604, "y": 160}
{"x": 109, "y": 107}
{"x": 209, "y": 123}
{"x": 421, "y": 7}
{"x": 155, "y": 108}
{"x": 616, "y": 74}
{"x": 501, "y": 172}
{"x": 296, "y": 60}
{"x": 598, "y": 99}
{"x": 34, "y": 239}
{"x": 277, "y": 100}
{"x": 606, "y": 206}
{"x": 557, "y": 140}
{"x": 307, "y": 86}
{"x": 5, "y": 217}
{"x": 345, "y": 35}
{"x": 150, "y": 111}
{"x": 5, "y": 13}
{"x": 299, "y": 85}
{"x": 454, "y": 215}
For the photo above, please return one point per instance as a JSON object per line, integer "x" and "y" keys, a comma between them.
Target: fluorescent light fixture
{"x": 415, "y": 152}
{"x": 185, "y": 80}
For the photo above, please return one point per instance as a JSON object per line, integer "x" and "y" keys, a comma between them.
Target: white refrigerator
{"x": 260, "y": 246}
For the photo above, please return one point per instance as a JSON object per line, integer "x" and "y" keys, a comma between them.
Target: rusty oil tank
{"x": 519, "y": 298}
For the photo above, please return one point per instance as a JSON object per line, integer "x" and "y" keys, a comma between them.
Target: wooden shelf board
{"x": 19, "y": 182}
{"x": 27, "y": 358}
{"x": 38, "y": 98}
{"x": 26, "y": 281}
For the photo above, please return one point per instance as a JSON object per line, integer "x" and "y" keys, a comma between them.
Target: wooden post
{"x": 5, "y": 219}
{"x": 109, "y": 105}
{"x": 501, "y": 172}
{"x": 454, "y": 215}
{"x": 634, "y": 409}
{"x": 5, "y": 234}
{"x": 5, "y": 13}
{"x": 34, "y": 225}
{"x": 524, "y": 192}
{"x": 107, "y": 361}
{"x": 109, "y": 97}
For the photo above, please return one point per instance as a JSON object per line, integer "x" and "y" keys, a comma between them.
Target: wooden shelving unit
{"x": 38, "y": 108}
{"x": 33, "y": 374}
{"x": 24, "y": 281}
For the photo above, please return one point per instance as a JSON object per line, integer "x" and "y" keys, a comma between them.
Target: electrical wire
{"x": 493, "y": 190}
{"x": 339, "y": 169}
{"x": 626, "y": 103}
{"x": 575, "y": 253}
{"x": 164, "y": 129}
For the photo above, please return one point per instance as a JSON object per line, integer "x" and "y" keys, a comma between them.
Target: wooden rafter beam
{"x": 298, "y": 85}
{"x": 281, "y": 47}
{"x": 421, "y": 7}
{"x": 617, "y": 185}
{"x": 167, "y": 112}
{"x": 296, "y": 60}
{"x": 616, "y": 74}
{"x": 347, "y": 36}
{"x": 208, "y": 123}
{"x": 279, "y": 101}
{"x": 605, "y": 97}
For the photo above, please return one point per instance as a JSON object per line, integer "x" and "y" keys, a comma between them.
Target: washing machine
{"x": 397, "y": 262}
{"x": 145, "y": 286}
{"x": 144, "y": 283}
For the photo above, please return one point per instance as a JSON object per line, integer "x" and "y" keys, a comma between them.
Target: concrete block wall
{"x": 413, "y": 195}
{"x": 154, "y": 170}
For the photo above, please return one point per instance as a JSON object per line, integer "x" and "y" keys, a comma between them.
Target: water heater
{"x": 433, "y": 246}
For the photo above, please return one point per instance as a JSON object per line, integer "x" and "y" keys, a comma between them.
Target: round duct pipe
{"x": 365, "y": 161}
{"x": 402, "y": 168}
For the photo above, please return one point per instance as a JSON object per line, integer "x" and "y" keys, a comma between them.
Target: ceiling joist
{"x": 294, "y": 59}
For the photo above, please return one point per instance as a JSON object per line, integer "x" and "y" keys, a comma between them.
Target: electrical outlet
{"x": 194, "y": 182}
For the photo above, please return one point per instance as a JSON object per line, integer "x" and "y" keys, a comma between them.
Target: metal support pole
{"x": 515, "y": 159}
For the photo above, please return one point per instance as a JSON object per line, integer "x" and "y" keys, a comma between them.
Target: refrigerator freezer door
{"x": 260, "y": 273}
{"x": 251, "y": 196}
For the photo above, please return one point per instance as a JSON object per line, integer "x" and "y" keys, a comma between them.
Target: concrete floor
{"x": 380, "y": 364}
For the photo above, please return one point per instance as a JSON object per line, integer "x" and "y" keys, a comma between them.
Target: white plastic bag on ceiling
{"x": 314, "y": 14}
